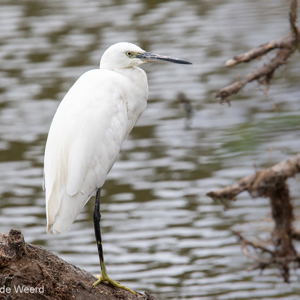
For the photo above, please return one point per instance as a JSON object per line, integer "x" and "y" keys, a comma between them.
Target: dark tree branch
{"x": 270, "y": 183}
{"x": 260, "y": 182}
{"x": 286, "y": 45}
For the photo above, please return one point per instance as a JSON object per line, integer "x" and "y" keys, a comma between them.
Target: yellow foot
{"x": 112, "y": 282}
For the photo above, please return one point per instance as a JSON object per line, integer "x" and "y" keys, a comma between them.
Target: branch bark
{"x": 31, "y": 272}
{"x": 259, "y": 183}
{"x": 270, "y": 183}
{"x": 286, "y": 45}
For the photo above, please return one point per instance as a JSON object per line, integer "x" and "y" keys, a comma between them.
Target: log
{"x": 31, "y": 272}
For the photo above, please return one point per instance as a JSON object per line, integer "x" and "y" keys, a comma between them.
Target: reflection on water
{"x": 161, "y": 233}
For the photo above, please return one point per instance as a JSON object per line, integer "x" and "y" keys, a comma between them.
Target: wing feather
{"x": 84, "y": 140}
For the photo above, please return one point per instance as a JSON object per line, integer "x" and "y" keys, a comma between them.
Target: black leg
{"x": 104, "y": 276}
{"x": 97, "y": 218}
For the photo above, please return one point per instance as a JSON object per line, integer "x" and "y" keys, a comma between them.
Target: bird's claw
{"x": 112, "y": 282}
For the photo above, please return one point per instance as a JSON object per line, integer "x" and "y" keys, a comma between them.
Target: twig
{"x": 261, "y": 50}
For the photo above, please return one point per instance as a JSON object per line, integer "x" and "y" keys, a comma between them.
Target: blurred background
{"x": 161, "y": 233}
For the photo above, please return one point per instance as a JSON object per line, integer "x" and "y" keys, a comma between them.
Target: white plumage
{"x": 89, "y": 127}
{"x": 87, "y": 132}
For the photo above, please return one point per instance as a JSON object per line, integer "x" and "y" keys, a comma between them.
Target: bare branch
{"x": 257, "y": 183}
{"x": 286, "y": 45}
{"x": 270, "y": 182}
{"x": 261, "y": 50}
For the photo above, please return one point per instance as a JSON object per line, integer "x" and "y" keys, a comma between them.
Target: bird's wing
{"x": 83, "y": 143}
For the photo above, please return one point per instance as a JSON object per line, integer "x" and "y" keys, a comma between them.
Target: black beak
{"x": 148, "y": 57}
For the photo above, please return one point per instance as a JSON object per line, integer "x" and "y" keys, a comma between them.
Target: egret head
{"x": 126, "y": 55}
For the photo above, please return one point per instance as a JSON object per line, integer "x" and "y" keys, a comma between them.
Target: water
{"x": 161, "y": 233}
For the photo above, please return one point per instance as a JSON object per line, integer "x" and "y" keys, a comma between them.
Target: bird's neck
{"x": 136, "y": 95}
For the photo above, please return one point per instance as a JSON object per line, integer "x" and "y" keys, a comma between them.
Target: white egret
{"x": 87, "y": 132}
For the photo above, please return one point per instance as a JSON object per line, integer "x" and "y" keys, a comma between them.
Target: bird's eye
{"x": 129, "y": 53}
